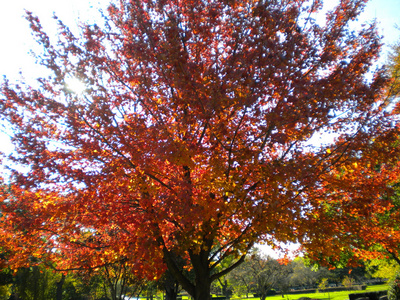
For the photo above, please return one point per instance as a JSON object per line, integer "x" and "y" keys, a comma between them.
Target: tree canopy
{"x": 200, "y": 132}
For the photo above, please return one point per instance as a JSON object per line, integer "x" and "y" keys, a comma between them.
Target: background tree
{"x": 6, "y": 280}
{"x": 284, "y": 283}
{"x": 121, "y": 281}
{"x": 394, "y": 288}
{"x": 195, "y": 138}
{"x": 241, "y": 279}
{"x": 356, "y": 275}
{"x": 348, "y": 282}
{"x": 265, "y": 273}
{"x": 382, "y": 268}
{"x": 306, "y": 276}
{"x": 5, "y": 292}
{"x": 36, "y": 283}
{"x": 170, "y": 285}
{"x": 323, "y": 284}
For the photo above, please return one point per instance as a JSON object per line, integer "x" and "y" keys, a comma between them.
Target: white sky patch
{"x": 292, "y": 251}
{"x": 75, "y": 85}
{"x": 16, "y": 36}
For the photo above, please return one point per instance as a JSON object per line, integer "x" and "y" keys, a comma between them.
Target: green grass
{"x": 343, "y": 295}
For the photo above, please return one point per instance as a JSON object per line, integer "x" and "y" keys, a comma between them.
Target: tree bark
{"x": 203, "y": 280}
{"x": 202, "y": 289}
{"x": 170, "y": 294}
{"x": 171, "y": 286}
{"x": 263, "y": 296}
{"x": 198, "y": 288}
{"x": 225, "y": 290}
{"x": 60, "y": 284}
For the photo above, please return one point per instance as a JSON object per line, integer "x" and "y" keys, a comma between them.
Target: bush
{"x": 394, "y": 288}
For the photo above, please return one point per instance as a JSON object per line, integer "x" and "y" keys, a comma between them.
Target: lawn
{"x": 343, "y": 295}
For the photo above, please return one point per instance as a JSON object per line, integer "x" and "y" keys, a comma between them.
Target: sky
{"x": 16, "y": 39}
{"x": 15, "y": 33}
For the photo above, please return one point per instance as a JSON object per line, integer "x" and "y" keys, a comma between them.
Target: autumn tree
{"x": 195, "y": 137}
{"x": 390, "y": 217}
{"x": 363, "y": 174}
{"x": 394, "y": 70}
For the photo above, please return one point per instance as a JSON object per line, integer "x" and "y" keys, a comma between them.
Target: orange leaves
{"x": 195, "y": 136}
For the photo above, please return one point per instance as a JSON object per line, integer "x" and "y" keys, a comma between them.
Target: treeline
{"x": 263, "y": 276}
{"x": 113, "y": 282}
{"x": 259, "y": 275}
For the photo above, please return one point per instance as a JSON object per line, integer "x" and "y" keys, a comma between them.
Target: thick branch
{"x": 394, "y": 256}
{"x": 227, "y": 270}
{"x": 177, "y": 272}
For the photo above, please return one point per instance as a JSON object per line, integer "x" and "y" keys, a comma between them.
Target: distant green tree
{"x": 394, "y": 288}
{"x": 348, "y": 282}
{"x": 265, "y": 273}
{"x": 241, "y": 280}
{"x": 34, "y": 283}
{"x": 5, "y": 291}
{"x": 120, "y": 280}
{"x": 323, "y": 285}
{"x": 305, "y": 275}
{"x": 383, "y": 268}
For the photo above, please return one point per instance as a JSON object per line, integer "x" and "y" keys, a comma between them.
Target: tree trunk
{"x": 201, "y": 268}
{"x": 171, "y": 286}
{"x": 225, "y": 291}
{"x": 263, "y": 296}
{"x": 60, "y": 284}
{"x": 170, "y": 294}
{"x": 198, "y": 288}
{"x": 202, "y": 289}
